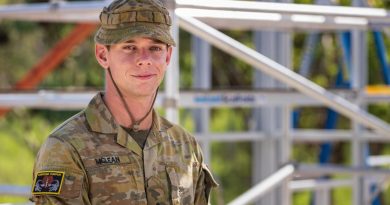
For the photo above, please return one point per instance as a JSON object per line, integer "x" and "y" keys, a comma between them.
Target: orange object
{"x": 53, "y": 58}
{"x": 378, "y": 90}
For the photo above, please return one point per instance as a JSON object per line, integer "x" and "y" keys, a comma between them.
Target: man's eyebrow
{"x": 154, "y": 41}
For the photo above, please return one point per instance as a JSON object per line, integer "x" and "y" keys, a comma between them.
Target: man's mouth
{"x": 144, "y": 76}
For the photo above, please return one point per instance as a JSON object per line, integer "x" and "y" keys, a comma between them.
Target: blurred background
{"x": 238, "y": 113}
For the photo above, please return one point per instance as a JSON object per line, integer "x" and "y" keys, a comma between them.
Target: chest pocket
{"x": 183, "y": 186}
{"x": 181, "y": 181}
{"x": 172, "y": 184}
{"x": 118, "y": 183}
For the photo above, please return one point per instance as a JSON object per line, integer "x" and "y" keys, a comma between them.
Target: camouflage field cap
{"x": 126, "y": 19}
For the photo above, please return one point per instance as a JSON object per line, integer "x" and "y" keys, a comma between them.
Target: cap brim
{"x": 109, "y": 36}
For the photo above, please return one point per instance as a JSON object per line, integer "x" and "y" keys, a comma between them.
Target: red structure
{"x": 53, "y": 58}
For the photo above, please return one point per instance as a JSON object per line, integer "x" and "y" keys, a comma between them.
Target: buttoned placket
{"x": 135, "y": 151}
{"x": 146, "y": 158}
{"x": 150, "y": 159}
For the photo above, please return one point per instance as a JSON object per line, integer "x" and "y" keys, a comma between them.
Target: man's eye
{"x": 131, "y": 48}
{"x": 155, "y": 48}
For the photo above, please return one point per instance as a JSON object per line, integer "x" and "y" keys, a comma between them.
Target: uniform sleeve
{"x": 204, "y": 184}
{"x": 58, "y": 175}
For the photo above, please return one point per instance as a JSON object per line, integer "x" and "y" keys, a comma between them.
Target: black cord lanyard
{"x": 136, "y": 123}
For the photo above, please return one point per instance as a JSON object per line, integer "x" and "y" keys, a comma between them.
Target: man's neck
{"x": 138, "y": 106}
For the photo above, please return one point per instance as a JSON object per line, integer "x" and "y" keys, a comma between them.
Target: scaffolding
{"x": 273, "y": 138}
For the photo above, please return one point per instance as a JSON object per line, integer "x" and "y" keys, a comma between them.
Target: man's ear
{"x": 101, "y": 53}
{"x": 169, "y": 55}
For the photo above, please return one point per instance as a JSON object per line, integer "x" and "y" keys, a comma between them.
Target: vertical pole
{"x": 284, "y": 57}
{"x": 382, "y": 54}
{"x": 202, "y": 80}
{"x": 358, "y": 82}
{"x": 172, "y": 74}
{"x": 286, "y": 147}
{"x": 264, "y": 152}
{"x": 271, "y": 153}
{"x": 322, "y": 197}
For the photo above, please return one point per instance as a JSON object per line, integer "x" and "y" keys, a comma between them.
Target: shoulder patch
{"x": 48, "y": 182}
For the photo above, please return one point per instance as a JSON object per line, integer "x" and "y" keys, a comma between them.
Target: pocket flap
{"x": 175, "y": 185}
{"x": 209, "y": 179}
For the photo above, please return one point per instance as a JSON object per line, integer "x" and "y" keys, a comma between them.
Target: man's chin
{"x": 143, "y": 92}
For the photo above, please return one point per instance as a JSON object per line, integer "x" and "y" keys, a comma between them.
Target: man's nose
{"x": 144, "y": 58}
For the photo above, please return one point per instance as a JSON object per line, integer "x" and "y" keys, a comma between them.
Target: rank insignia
{"x": 48, "y": 182}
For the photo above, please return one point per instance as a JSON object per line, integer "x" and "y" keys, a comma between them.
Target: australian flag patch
{"x": 48, "y": 182}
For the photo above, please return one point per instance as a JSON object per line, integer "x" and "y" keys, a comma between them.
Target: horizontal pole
{"x": 83, "y": 11}
{"x": 14, "y": 190}
{"x": 378, "y": 160}
{"x": 264, "y": 186}
{"x": 46, "y": 99}
{"x": 316, "y": 184}
{"x": 297, "y": 136}
{"x": 50, "y": 99}
{"x": 281, "y": 73}
{"x": 244, "y": 20}
{"x": 221, "y": 14}
{"x": 324, "y": 169}
{"x": 286, "y": 8}
{"x": 334, "y": 135}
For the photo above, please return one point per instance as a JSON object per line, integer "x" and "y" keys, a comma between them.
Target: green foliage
{"x": 185, "y": 60}
{"x": 301, "y": 197}
{"x": 307, "y": 156}
{"x": 14, "y": 152}
{"x": 14, "y": 42}
{"x": 234, "y": 178}
{"x": 10, "y": 1}
{"x": 386, "y": 197}
{"x": 381, "y": 110}
{"x": 229, "y": 72}
{"x": 343, "y": 196}
{"x": 21, "y": 135}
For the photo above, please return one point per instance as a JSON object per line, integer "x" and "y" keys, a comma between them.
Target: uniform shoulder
{"x": 61, "y": 141}
{"x": 73, "y": 126}
{"x": 176, "y": 131}
{"x": 180, "y": 136}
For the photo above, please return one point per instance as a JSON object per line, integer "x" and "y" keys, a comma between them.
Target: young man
{"x": 119, "y": 150}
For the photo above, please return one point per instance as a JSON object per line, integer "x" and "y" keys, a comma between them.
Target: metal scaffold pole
{"x": 172, "y": 81}
{"x": 277, "y": 46}
{"x": 201, "y": 72}
{"x": 282, "y": 73}
{"x": 358, "y": 82}
{"x": 264, "y": 187}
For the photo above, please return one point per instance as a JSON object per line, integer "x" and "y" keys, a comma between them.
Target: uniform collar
{"x": 99, "y": 117}
{"x": 101, "y": 120}
{"x": 160, "y": 125}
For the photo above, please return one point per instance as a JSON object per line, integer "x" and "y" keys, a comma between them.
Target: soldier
{"x": 118, "y": 150}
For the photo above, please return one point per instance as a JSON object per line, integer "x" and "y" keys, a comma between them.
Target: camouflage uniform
{"x": 90, "y": 159}
{"x": 102, "y": 164}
